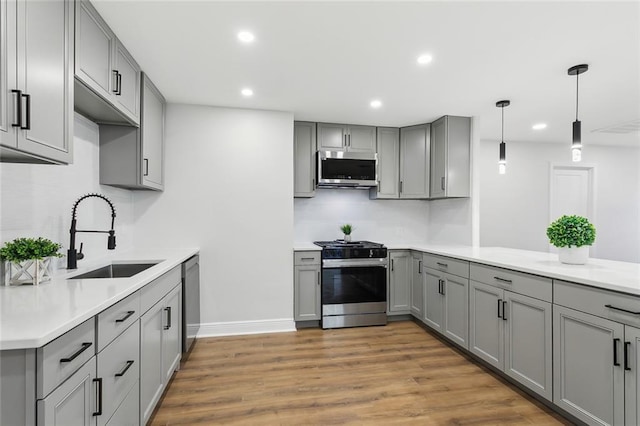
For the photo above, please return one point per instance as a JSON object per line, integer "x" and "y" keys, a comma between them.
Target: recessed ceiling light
{"x": 246, "y": 36}
{"x": 376, "y": 103}
{"x": 424, "y": 59}
{"x": 246, "y": 92}
{"x": 539, "y": 126}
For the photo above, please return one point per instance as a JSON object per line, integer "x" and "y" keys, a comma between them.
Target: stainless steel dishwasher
{"x": 190, "y": 302}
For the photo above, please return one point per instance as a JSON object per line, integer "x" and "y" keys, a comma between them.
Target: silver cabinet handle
{"x": 146, "y": 167}
{"x": 306, "y": 258}
{"x": 504, "y": 280}
{"x": 444, "y": 265}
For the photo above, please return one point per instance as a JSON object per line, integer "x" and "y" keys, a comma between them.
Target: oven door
{"x": 346, "y": 285}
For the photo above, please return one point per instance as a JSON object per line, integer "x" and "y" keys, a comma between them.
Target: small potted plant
{"x": 572, "y": 235}
{"x": 27, "y": 260}
{"x": 346, "y": 230}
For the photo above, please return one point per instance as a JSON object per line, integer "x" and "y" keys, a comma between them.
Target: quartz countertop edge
{"x": 599, "y": 273}
{"x": 32, "y": 316}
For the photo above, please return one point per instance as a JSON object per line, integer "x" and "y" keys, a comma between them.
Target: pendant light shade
{"x": 576, "y": 144}
{"x": 502, "y": 160}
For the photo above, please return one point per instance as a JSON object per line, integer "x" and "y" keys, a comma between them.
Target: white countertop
{"x": 601, "y": 273}
{"x": 32, "y": 316}
{"x": 305, "y": 246}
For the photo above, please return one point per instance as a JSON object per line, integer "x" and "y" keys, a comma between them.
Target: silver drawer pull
{"x": 504, "y": 280}
{"x": 622, "y": 310}
{"x": 307, "y": 258}
{"x": 84, "y": 347}
{"x": 124, "y": 370}
{"x": 126, "y": 317}
{"x": 444, "y": 265}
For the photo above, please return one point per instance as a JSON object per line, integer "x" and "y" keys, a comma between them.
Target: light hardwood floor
{"x": 398, "y": 374}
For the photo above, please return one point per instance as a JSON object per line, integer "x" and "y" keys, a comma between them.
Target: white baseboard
{"x": 235, "y": 328}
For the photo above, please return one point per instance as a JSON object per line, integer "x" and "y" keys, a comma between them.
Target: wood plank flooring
{"x": 398, "y": 374}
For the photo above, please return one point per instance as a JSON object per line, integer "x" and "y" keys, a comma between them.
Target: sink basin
{"x": 115, "y": 270}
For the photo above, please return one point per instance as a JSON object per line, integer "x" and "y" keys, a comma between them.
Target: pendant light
{"x": 576, "y": 145}
{"x": 502, "y": 162}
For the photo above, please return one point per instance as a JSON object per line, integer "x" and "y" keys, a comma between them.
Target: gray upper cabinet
{"x": 107, "y": 76}
{"x": 345, "y": 137}
{"x": 414, "y": 161}
{"x": 388, "y": 148}
{"x": 304, "y": 167}
{"x": 450, "y": 157}
{"x": 132, "y": 157}
{"x": 36, "y": 114}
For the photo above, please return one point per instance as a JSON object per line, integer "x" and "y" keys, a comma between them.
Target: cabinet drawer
{"x": 158, "y": 288}
{"x": 118, "y": 367}
{"x": 306, "y": 258}
{"x": 116, "y": 319}
{"x": 594, "y": 301}
{"x": 59, "y": 359}
{"x": 447, "y": 264}
{"x": 518, "y": 282}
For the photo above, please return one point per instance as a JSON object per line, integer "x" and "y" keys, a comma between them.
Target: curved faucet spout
{"x": 72, "y": 254}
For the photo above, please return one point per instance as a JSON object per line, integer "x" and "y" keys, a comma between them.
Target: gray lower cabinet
{"x": 107, "y": 77}
{"x": 512, "y": 332}
{"x": 73, "y": 402}
{"x": 589, "y": 376}
{"x": 400, "y": 272}
{"x": 415, "y": 142}
{"x": 388, "y": 148}
{"x": 417, "y": 285}
{"x": 632, "y": 376}
{"x": 159, "y": 349}
{"x": 133, "y": 157}
{"x": 346, "y": 137}
{"x": 450, "y": 157}
{"x": 306, "y": 286}
{"x": 304, "y": 154}
{"x": 36, "y": 113}
{"x": 446, "y": 305}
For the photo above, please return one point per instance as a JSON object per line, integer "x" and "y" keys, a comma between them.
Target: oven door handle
{"x": 353, "y": 263}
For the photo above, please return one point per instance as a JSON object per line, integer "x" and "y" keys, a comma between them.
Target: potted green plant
{"x": 27, "y": 260}
{"x": 572, "y": 235}
{"x": 346, "y": 230}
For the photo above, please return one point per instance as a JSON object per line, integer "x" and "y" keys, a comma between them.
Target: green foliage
{"x": 22, "y": 249}
{"x": 571, "y": 231}
{"x": 346, "y": 229}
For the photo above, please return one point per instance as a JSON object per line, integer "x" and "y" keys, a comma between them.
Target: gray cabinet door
{"x": 388, "y": 143}
{"x": 73, "y": 402}
{"x": 586, "y": 380}
{"x": 456, "y": 309}
{"x": 433, "y": 308}
{"x": 152, "y": 135}
{"x": 528, "y": 354}
{"x": 486, "y": 328}
{"x": 399, "y": 282}
{"x": 414, "y": 161}
{"x": 45, "y": 47}
{"x": 171, "y": 340}
{"x": 438, "y": 157}
{"x": 361, "y": 139}
{"x": 417, "y": 286}
{"x": 631, "y": 376}
{"x": 306, "y": 288}
{"x": 332, "y": 137}
{"x": 127, "y": 414}
{"x": 95, "y": 47}
{"x": 127, "y": 96}
{"x": 151, "y": 371}
{"x": 8, "y": 80}
{"x": 304, "y": 154}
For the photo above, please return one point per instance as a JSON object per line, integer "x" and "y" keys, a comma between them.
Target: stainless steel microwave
{"x": 338, "y": 169}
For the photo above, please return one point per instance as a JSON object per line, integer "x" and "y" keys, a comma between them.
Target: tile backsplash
{"x": 36, "y": 200}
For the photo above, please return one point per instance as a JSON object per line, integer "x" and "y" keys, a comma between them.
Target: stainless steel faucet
{"x": 72, "y": 255}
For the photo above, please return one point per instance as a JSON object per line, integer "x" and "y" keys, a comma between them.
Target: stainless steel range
{"x": 354, "y": 283}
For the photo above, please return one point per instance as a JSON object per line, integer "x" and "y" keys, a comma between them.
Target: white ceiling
{"x": 326, "y": 61}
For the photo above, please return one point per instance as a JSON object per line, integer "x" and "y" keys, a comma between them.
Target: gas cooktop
{"x": 350, "y": 244}
{"x": 340, "y": 249}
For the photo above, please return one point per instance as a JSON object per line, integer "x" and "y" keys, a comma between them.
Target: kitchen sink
{"x": 115, "y": 270}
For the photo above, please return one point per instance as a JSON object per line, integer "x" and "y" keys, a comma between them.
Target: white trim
{"x": 236, "y": 328}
